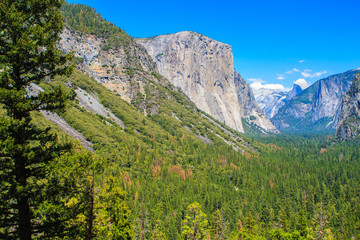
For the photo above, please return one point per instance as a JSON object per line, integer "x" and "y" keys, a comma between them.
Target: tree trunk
{"x": 23, "y": 203}
{"x": 143, "y": 218}
{"x": 194, "y": 228}
{"x": 91, "y": 210}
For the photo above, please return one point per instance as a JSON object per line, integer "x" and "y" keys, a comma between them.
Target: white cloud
{"x": 302, "y": 83}
{"x": 280, "y": 76}
{"x": 301, "y": 61}
{"x": 292, "y": 71}
{"x": 318, "y": 74}
{"x": 258, "y": 85}
{"x": 256, "y": 80}
{"x": 308, "y": 73}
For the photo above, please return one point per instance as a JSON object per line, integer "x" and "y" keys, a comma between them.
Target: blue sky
{"x": 274, "y": 41}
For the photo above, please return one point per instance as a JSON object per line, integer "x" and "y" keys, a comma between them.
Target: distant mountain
{"x": 203, "y": 69}
{"x": 317, "y": 107}
{"x": 296, "y": 89}
{"x": 271, "y": 100}
{"x": 349, "y": 117}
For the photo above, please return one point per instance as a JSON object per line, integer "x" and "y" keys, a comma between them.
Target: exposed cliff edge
{"x": 349, "y": 117}
{"x": 204, "y": 70}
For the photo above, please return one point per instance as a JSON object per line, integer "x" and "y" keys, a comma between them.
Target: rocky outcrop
{"x": 204, "y": 70}
{"x": 317, "y": 107}
{"x": 349, "y": 116}
{"x": 92, "y": 104}
{"x": 125, "y": 70}
{"x": 34, "y": 90}
{"x": 250, "y": 110}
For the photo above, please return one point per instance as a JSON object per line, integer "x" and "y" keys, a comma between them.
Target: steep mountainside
{"x": 125, "y": 68}
{"x": 204, "y": 70}
{"x": 317, "y": 107}
{"x": 349, "y": 117}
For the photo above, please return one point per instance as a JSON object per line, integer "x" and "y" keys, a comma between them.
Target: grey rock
{"x": 92, "y": 104}
{"x": 349, "y": 116}
{"x": 316, "y": 108}
{"x": 204, "y": 70}
{"x": 296, "y": 89}
{"x": 271, "y": 100}
{"x": 34, "y": 90}
{"x": 123, "y": 70}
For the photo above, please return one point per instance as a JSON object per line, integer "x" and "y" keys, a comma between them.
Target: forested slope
{"x": 286, "y": 189}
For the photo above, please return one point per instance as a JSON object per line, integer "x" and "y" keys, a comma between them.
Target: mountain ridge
{"x": 271, "y": 100}
{"x": 317, "y": 107}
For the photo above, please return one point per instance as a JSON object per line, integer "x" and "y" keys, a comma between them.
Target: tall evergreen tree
{"x": 218, "y": 225}
{"x": 195, "y": 224}
{"x": 29, "y": 31}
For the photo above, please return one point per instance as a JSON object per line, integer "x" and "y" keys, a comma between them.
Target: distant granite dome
{"x": 349, "y": 116}
{"x": 204, "y": 70}
{"x": 294, "y": 91}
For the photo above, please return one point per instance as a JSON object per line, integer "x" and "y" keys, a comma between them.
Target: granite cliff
{"x": 317, "y": 107}
{"x": 204, "y": 70}
{"x": 127, "y": 70}
{"x": 349, "y": 117}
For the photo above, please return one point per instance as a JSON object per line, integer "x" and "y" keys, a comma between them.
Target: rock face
{"x": 125, "y": 70}
{"x": 204, "y": 70}
{"x": 271, "y": 100}
{"x": 349, "y": 117}
{"x": 317, "y": 107}
{"x": 294, "y": 91}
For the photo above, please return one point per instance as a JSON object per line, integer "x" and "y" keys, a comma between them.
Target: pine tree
{"x": 158, "y": 232}
{"x": 113, "y": 217}
{"x": 218, "y": 225}
{"x": 29, "y": 31}
{"x": 195, "y": 224}
{"x": 302, "y": 222}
